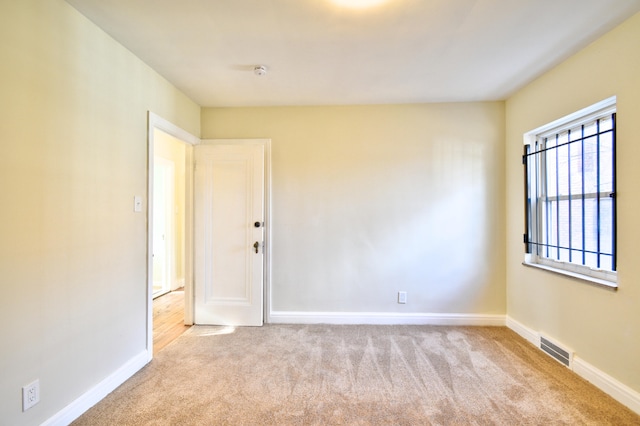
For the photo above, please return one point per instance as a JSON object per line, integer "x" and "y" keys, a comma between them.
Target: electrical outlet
{"x": 402, "y": 297}
{"x": 30, "y": 395}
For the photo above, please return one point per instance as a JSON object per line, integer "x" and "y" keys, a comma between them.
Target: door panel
{"x": 229, "y": 200}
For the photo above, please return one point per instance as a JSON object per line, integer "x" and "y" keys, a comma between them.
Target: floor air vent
{"x": 560, "y": 354}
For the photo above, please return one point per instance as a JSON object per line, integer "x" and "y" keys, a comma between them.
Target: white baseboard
{"x": 614, "y": 388}
{"x": 384, "y": 318}
{"x": 619, "y": 391}
{"x": 98, "y": 392}
{"x": 524, "y": 331}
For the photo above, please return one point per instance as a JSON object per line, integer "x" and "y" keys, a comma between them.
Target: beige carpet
{"x": 355, "y": 375}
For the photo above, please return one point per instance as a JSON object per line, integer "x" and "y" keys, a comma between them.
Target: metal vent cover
{"x": 560, "y": 354}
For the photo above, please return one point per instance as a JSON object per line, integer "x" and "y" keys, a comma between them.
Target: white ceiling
{"x": 318, "y": 53}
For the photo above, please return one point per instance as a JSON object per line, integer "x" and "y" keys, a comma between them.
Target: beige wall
{"x": 370, "y": 200}
{"x": 603, "y": 327}
{"x": 73, "y": 130}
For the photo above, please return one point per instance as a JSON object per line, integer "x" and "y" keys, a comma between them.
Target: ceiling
{"x": 320, "y": 53}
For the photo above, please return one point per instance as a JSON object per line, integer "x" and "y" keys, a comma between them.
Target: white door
{"x": 229, "y": 234}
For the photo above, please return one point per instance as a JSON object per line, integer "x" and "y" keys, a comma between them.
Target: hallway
{"x": 168, "y": 319}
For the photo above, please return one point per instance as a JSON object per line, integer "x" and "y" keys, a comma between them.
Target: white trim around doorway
{"x": 159, "y": 123}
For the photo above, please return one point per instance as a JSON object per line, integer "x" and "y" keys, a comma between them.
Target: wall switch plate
{"x": 402, "y": 297}
{"x": 30, "y": 395}
{"x": 137, "y": 203}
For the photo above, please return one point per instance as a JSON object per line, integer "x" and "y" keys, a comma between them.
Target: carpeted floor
{"x": 355, "y": 375}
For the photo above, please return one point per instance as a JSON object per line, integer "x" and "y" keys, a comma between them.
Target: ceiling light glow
{"x": 358, "y": 4}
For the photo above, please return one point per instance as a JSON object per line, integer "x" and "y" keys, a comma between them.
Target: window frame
{"x": 604, "y": 277}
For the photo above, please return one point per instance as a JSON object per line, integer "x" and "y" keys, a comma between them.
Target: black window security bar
{"x": 570, "y": 187}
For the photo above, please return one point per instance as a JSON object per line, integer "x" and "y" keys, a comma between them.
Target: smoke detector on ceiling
{"x": 260, "y": 70}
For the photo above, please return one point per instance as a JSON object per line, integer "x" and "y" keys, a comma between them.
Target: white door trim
{"x": 267, "y": 212}
{"x": 156, "y": 122}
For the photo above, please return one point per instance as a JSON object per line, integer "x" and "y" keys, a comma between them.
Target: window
{"x": 570, "y": 201}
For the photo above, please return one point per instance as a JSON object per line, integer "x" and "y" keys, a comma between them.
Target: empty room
{"x": 385, "y": 211}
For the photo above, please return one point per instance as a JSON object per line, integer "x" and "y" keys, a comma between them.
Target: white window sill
{"x": 609, "y": 285}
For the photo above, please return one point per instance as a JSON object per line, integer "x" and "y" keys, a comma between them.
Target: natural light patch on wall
{"x": 410, "y": 218}
{"x": 443, "y": 242}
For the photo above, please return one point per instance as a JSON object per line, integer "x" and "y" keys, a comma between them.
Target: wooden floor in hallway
{"x": 168, "y": 319}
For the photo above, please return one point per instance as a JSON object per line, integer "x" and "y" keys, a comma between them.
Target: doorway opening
{"x": 169, "y": 262}
{"x": 168, "y": 219}
{"x": 167, "y": 213}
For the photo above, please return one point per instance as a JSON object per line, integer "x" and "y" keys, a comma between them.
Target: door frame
{"x": 266, "y": 279}
{"x": 155, "y": 122}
